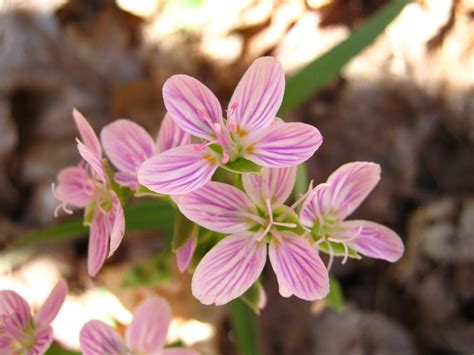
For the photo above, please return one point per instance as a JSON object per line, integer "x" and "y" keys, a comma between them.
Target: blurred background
{"x": 405, "y": 102}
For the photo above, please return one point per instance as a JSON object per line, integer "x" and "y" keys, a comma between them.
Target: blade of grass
{"x": 326, "y": 67}
{"x": 245, "y": 326}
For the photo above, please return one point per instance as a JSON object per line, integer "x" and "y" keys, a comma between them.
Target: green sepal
{"x": 242, "y": 166}
{"x": 337, "y": 249}
{"x": 253, "y": 296}
{"x": 153, "y": 271}
{"x": 89, "y": 213}
{"x": 143, "y": 191}
{"x": 183, "y": 230}
{"x": 335, "y": 297}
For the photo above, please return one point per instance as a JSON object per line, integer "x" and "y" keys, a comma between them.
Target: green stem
{"x": 245, "y": 326}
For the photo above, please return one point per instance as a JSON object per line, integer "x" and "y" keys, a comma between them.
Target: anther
{"x": 225, "y": 158}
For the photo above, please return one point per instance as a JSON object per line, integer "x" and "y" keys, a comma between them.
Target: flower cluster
{"x": 250, "y": 217}
{"x": 22, "y": 333}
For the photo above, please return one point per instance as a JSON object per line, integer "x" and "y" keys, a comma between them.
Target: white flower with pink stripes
{"x": 250, "y": 136}
{"x": 257, "y": 220}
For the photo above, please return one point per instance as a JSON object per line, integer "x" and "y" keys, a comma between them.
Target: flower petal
{"x": 283, "y": 144}
{"x": 178, "y": 170}
{"x": 190, "y": 104}
{"x": 185, "y": 252}
{"x": 74, "y": 186}
{"x": 126, "y": 179}
{"x": 98, "y": 244}
{"x": 274, "y": 184}
{"x": 219, "y": 207}
{"x": 52, "y": 305}
{"x": 372, "y": 239}
{"x": 127, "y": 145}
{"x": 298, "y": 268}
{"x": 316, "y": 205}
{"x": 99, "y": 338}
{"x": 350, "y": 185}
{"x": 229, "y": 269}
{"x": 147, "y": 332}
{"x": 258, "y": 95}
{"x": 88, "y": 136}
{"x": 43, "y": 340}
{"x": 12, "y": 305}
{"x": 179, "y": 351}
{"x": 170, "y": 135}
{"x": 117, "y": 221}
{"x": 94, "y": 160}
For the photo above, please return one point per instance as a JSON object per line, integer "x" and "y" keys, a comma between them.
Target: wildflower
{"x": 22, "y": 333}
{"x": 86, "y": 186}
{"x": 145, "y": 335}
{"x": 128, "y": 145}
{"x": 251, "y": 136}
{"x": 254, "y": 219}
{"x": 328, "y": 205}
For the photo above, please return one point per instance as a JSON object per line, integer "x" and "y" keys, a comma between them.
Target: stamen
{"x": 232, "y": 127}
{"x": 217, "y": 128}
{"x": 232, "y": 108}
{"x": 331, "y": 256}
{"x": 297, "y": 203}
{"x": 281, "y": 224}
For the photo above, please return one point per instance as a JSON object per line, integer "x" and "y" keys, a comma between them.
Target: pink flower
{"x": 184, "y": 254}
{"x": 22, "y": 333}
{"x": 254, "y": 220}
{"x": 87, "y": 187}
{"x": 250, "y": 133}
{"x": 328, "y": 205}
{"x": 145, "y": 335}
{"x": 128, "y": 145}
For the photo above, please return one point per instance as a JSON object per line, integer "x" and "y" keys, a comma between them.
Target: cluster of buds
{"x": 248, "y": 218}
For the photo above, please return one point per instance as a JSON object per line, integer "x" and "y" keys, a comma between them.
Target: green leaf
{"x": 54, "y": 350}
{"x": 312, "y": 77}
{"x": 243, "y": 166}
{"x": 335, "y": 298}
{"x": 244, "y": 324}
{"x": 253, "y": 297}
{"x": 183, "y": 229}
{"x": 145, "y": 215}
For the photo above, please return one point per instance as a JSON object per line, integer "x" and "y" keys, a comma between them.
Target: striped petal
{"x": 98, "y": 243}
{"x": 13, "y": 306}
{"x": 99, "y": 338}
{"x": 74, "y": 186}
{"x": 43, "y": 340}
{"x": 372, "y": 239}
{"x": 283, "y": 144}
{"x": 192, "y": 105}
{"x": 298, "y": 268}
{"x": 316, "y": 206}
{"x": 184, "y": 254}
{"x": 229, "y": 269}
{"x": 258, "y": 95}
{"x": 170, "y": 135}
{"x": 179, "y": 351}
{"x": 350, "y": 185}
{"x": 219, "y": 207}
{"x": 94, "y": 160}
{"x": 179, "y": 170}
{"x": 52, "y": 305}
{"x": 117, "y": 221}
{"x": 147, "y": 332}
{"x": 127, "y": 145}
{"x": 87, "y": 134}
{"x": 274, "y": 184}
